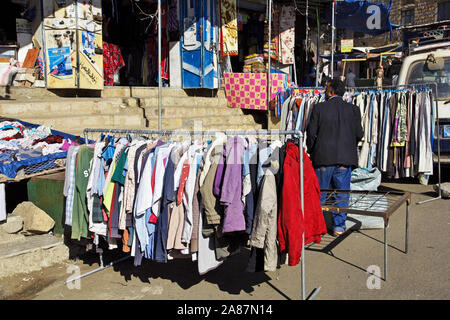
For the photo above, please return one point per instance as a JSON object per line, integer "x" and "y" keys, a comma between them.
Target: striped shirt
{"x": 69, "y": 183}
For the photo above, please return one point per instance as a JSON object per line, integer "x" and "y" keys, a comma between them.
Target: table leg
{"x": 407, "y": 228}
{"x": 385, "y": 253}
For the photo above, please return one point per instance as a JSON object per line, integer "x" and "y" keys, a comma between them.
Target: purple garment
{"x": 219, "y": 175}
{"x": 231, "y": 193}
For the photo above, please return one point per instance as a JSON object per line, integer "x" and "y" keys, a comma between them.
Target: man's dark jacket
{"x": 333, "y": 133}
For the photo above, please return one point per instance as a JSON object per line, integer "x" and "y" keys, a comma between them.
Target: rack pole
{"x": 300, "y": 148}
{"x": 332, "y": 39}
{"x": 269, "y": 64}
{"x": 159, "y": 66}
{"x": 98, "y": 269}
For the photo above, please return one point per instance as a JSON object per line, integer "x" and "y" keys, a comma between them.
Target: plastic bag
{"x": 366, "y": 180}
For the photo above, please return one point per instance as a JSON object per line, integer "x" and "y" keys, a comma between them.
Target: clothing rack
{"x": 295, "y": 133}
{"x": 419, "y": 85}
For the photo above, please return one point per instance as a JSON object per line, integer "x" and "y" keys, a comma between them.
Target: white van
{"x": 432, "y": 66}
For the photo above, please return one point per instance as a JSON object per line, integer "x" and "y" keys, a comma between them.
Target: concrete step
{"x": 213, "y": 102}
{"x": 210, "y": 127}
{"x": 76, "y": 123}
{"x": 205, "y": 121}
{"x": 191, "y": 112}
{"x": 19, "y": 93}
{"x": 62, "y": 106}
{"x": 107, "y": 92}
{"x": 124, "y": 91}
{"x": 27, "y": 254}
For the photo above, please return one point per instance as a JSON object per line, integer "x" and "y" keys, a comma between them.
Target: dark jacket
{"x": 333, "y": 133}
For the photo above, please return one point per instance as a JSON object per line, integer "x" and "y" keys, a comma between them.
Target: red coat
{"x": 290, "y": 219}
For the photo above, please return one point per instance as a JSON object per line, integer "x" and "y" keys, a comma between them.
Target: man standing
{"x": 332, "y": 137}
{"x": 350, "y": 78}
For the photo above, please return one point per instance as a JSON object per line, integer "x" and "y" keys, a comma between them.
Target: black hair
{"x": 337, "y": 86}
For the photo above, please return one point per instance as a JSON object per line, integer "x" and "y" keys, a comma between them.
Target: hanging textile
{"x": 202, "y": 200}
{"x": 249, "y": 90}
{"x": 287, "y": 34}
{"x": 112, "y": 62}
{"x": 228, "y": 28}
{"x": 246, "y": 90}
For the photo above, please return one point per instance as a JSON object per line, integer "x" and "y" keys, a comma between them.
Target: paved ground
{"x": 421, "y": 274}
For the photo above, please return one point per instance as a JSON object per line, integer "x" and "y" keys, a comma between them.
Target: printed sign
{"x": 362, "y": 16}
{"x": 60, "y": 63}
{"x": 346, "y": 45}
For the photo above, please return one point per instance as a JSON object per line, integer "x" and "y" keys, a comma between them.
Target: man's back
{"x": 333, "y": 133}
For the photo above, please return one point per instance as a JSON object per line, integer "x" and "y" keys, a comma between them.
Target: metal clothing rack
{"x": 295, "y": 133}
{"x": 419, "y": 85}
{"x": 368, "y": 203}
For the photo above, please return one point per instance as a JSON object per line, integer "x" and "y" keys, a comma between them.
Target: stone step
{"x": 191, "y": 112}
{"x": 210, "y": 127}
{"x": 124, "y": 91}
{"x": 31, "y": 253}
{"x": 62, "y": 106}
{"x": 175, "y": 123}
{"x": 213, "y": 102}
{"x": 75, "y": 124}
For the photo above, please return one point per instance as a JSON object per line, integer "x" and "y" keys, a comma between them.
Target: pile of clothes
{"x": 26, "y": 150}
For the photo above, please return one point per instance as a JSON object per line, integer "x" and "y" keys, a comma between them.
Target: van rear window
{"x": 419, "y": 73}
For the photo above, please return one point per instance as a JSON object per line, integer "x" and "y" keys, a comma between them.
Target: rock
{"x": 13, "y": 224}
{"x": 35, "y": 220}
{"x": 445, "y": 190}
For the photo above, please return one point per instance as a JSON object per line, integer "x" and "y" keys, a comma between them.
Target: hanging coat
{"x": 291, "y": 224}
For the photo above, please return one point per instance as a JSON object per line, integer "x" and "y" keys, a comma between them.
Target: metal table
{"x": 368, "y": 203}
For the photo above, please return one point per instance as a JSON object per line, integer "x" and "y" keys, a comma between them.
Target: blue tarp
{"x": 362, "y": 16}
{"x": 9, "y": 168}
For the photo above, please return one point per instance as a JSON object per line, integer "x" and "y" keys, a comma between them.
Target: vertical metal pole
{"x": 159, "y": 66}
{"x": 438, "y": 138}
{"x": 300, "y": 148}
{"x": 268, "y": 74}
{"x": 77, "y": 43}
{"x": 332, "y": 39}
{"x": 43, "y": 41}
{"x": 407, "y": 227}
{"x": 385, "y": 253}
{"x": 318, "y": 47}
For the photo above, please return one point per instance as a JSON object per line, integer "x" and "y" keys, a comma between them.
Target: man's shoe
{"x": 338, "y": 233}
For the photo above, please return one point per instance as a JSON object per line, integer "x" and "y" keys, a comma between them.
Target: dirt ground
{"x": 341, "y": 273}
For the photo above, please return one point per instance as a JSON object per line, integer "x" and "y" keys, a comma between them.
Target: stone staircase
{"x": 124, "y": 108}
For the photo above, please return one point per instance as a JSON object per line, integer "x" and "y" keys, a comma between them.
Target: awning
{"x": 340, "y": 57}
{"x": 395, "y": 47}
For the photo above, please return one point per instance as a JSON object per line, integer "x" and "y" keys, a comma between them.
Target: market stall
{"x": 28, "y": 150}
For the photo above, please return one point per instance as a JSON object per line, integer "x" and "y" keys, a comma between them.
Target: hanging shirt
{"x": 231, "y": 191}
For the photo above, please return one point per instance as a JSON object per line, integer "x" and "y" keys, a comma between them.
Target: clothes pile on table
{"x": 26, "y": 150}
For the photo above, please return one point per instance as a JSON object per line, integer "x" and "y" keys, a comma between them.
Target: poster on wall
{"x": 88, "y": 43}
{"x": 60, "y": 63}
{"x": 228, "y": 28}
{"x": 346, "y": 45}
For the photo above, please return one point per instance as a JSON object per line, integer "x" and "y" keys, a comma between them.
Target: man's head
{"x": 335, "y": 87}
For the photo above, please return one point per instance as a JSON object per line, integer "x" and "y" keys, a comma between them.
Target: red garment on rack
{"x": 112, "y": 61}
{"x": 290, "y": 220}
